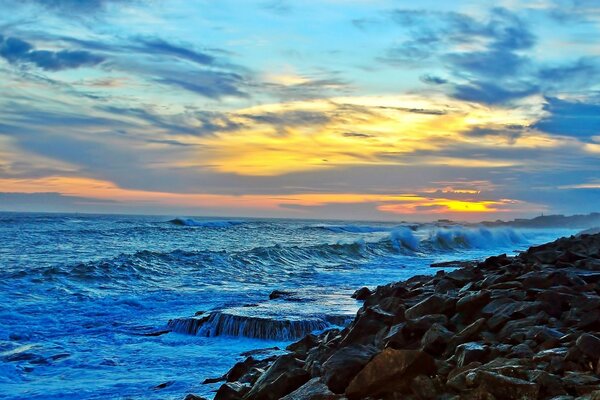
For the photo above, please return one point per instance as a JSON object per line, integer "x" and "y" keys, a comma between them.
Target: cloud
{"x": 159, "y": 46}
{"x": 17, "y": 51}
{"x": 572, "y": 118}
{"x": 82, "y": 7}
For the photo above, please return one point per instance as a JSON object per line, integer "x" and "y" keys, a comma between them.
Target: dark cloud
{"x": 491, "y": 93}
{"x": 17, "y": 51}
{"x": 211, "y": 84}
{"x": 159, "y": 46}
{"x": 433, "y": 80}
{"x": 572, "y": 118}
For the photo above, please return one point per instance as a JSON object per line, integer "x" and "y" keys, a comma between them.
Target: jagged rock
{"x": 424, "y": 388}
{"x": 503, "y": 387}
{"x": 389, "y": 371}
{"x": 193, "y": 397}
{"x": 362, "y": 293}
{"x": 589, "y": 345}
{"x": 344, "y": 364}
{"x": 312, "y": 390}
{"x": 434, "y": 304}
{"x": 284, "y": 376}
{"x": 473, "y": 302}
{"x": 436, "y": 338}
{"x": 470, "y": 352}
{"x": 302, "y": 346}
{"x": 232, "y": 391}
{"x": 469, "y": 333}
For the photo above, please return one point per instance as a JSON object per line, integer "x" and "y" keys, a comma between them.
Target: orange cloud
{"x": 387, "y": 203}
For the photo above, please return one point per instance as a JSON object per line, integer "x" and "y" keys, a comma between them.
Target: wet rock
{"x": 163, "y": 385}
{"x": 193, "y": 397}
{"x": 435, "y": 304}
{"x": 314, "y": 389}
{"x": 589, "y": 345}
{"x": 503, "y": 387}
{"x": 302, "y": 346}
{"x": 389, "y": 371}
{"x": 362, "y": 293}
{"x": 231, "y": 391}
{"x": 468, "y": 353}
{"x": 277, "y": 294}
{"x": 283, "y": 377}
{"x": 344, "y": 364}
{"x": 436, "y": 338}
{"x": 473, "y": 302}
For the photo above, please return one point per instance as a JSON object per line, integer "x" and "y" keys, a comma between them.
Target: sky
{"x": 341, "y": 109}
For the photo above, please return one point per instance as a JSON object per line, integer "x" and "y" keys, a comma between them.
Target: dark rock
{"x": 503, "y": 387}
{"x": 436, "y": 338}
{"x": 344, "y": 364}
{"x": 163, "y": 385}
{"x": 389, "y": 371}
{"x": 193, "y": 397}
{"x": 284, "y": 376}
{"x": 276, "y": 294}
{"x": 435, "y": 304}
{"x": 589, "y": 345}
{"x": 424, "y": 388}
{"x": 302, "y": 346}
{"x": 362, "y": 293}
{"x": 470, "y": 352}
{"x": 314, "y": 389}
{"x": 231, "y": 391}
{"x": 474, "y": 302}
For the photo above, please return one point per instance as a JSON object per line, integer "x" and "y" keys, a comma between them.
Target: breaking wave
{"x": 225, "y": 324}
{"x": 352, "y": 228}
{"x": 254, "y": 264}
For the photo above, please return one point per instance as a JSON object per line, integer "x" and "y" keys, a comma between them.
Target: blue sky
{"x": 343, "y": 109}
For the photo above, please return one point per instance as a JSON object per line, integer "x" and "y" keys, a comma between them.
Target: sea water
{"x": 101, "y": 307}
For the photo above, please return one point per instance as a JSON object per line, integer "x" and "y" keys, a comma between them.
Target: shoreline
{"x": 522, "y": 327}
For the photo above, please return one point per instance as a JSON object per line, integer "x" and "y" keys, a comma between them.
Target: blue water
{"x": 78, "y": 293}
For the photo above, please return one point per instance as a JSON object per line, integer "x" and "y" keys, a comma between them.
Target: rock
{"x": 302, "y": 346}
{"x": 312, "y": 390}
{"x": 276, "y": 294}
{"x": 424, "y": 388}
{"x": 193, "y": 397}
{"x": 521, "y": 351}
{"x": 468, "y": 334}
{"x": 344, "y": 364}
{"x": 391, "y": 370}
{"x": 589, "y": 345}
{"x": 435, "y": 304}
{"x": 284, "y": 376}
{"x": 362, "y": 293}
{"x": 240, "y": 369}
{"x": 163, "y": 385}
{"x": 436, "y": 338}
{"x": 504, "y": 387}
{"x": 231, "y": 391}
{"x": 473, "y": 302}
{"x": 467, "y": 353}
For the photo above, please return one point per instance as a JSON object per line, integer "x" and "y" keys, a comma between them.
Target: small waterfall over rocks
{"x": 225, "y": 324}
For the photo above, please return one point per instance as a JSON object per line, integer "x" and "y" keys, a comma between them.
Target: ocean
{"x": 85, "y": 300}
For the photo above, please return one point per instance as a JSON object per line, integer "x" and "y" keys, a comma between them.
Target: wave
{"x": 265, "y": 263}
{"x": 474, "y": 238}
{"x": 225, "y": 324}
{"x": 351, "y": 228}
{"x": 205, "y": 224}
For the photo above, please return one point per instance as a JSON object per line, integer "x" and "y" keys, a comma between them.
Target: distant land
{"x": 552, "y": 221}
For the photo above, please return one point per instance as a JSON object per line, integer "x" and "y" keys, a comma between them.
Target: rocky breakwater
{"x": 524, "y": 327}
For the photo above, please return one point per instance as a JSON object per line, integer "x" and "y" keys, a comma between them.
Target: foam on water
{"x": 90, "y": 297}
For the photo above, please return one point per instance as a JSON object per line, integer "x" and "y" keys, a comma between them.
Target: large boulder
{"x": 344, "y": 364}
{"x": 284, "y": 376}
{"x": 434, "y": 304}
{"x": 314, "y": 389}
{"x": 503, "y": 387}
{"x": 390, "y": 371}
{"x": 436, "y": 338}
{"x": 589, "y": 345}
